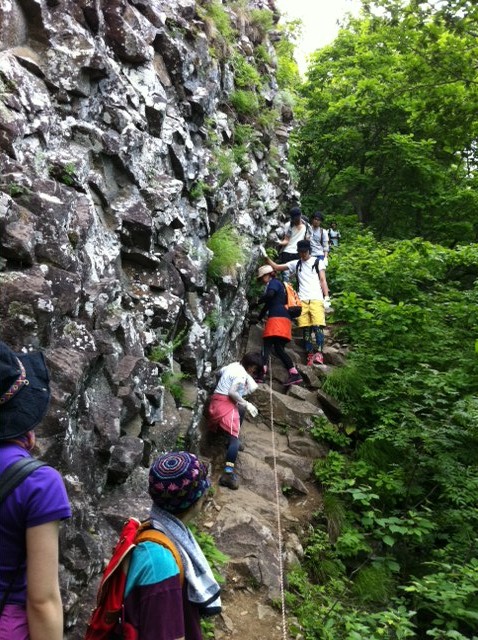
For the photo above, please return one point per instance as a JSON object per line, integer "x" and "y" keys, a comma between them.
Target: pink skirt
{"x": 223, "y": 414}
{"x": 14, "y": 623}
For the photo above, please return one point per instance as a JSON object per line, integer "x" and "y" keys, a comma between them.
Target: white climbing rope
{"x": 279, "y": 525}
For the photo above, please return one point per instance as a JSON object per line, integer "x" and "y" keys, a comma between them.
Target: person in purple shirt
{"x": 30, "y": 515}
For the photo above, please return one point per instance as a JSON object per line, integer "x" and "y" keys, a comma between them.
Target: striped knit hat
{"x": 177, "y": 480}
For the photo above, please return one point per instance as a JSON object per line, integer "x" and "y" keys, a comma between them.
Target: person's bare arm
{"x": 323, "y": 283}
{"x": 275, "y": 266}
{"x": 44, "y": 608}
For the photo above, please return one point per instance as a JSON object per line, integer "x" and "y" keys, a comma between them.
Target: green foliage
{"x": 324, "y": 431}
{"x": 220, "y": 18}
{"x": 268, "y": 119}
{"x": 173, "y": 383}
{"x": 262, "y": 54}
{"x": 16, "y": 190}
{"x": 244, "y": 134}
{"x": 399, "y": 510}
{"x": 165, "y": 349}
{"x": 246, "y": 75}
{"x": 216, "y": 558}
{"x": 227, "y": 247}
{"x": 213, "y": 320}
{"x": 246, "y": 103}
{"x": 198, "y": 190}
{"x": 450, "y": 592}
{"x": 325, "y": 612}
{"x": 374, "y": 583}
{"x": 287, "y": 74}
{"x": 223, "y": 163}
{"x": 263, "y": 20}
{"x": 387, "y": 126}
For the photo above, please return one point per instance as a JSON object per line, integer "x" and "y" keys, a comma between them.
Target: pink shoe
{"x": 318, "y": 358}
{"x": 310, "y": 359}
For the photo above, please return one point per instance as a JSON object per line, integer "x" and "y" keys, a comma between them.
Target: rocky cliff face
{"x": 124, "y": 145}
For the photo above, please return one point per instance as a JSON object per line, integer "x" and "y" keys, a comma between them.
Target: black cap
{"x": 24, "y": 391}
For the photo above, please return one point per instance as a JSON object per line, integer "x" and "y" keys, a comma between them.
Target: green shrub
{"x": 263, "y": 20}
{"x": 223, "y": 163}
{"x": 173, "y": 383}
{"x": 262, "y": 54}
{"x": 165, "y": 349}
{"x": 216, "y": 558}
{"x": 220, "y": 18}
{"x": 245, "y": 74}
{"x": 240, "y": 155}
{"x": 268, "y": 119}
{"x": 246, "y": 103}
{"x": 324, "y": 431}
{"x": 198, "y": 190}
{"x": 244, "y": 134}
{"x": 227, "y": 247}
{"x": 213, "y": 319}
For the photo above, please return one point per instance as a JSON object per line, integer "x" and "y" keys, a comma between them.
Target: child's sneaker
{"x": 310, "y": 359}
{"x": 318, "y": 358}
{"x": 229, "y": 480}
{"x": 294, "y": 378}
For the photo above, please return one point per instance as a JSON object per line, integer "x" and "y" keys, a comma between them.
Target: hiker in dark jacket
{"x": 278, "y": 328}
{"x": 156, "y": 607}
{"x": 30, "y": 515}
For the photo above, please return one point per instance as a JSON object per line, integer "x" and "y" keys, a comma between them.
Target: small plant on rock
{"x": 227, "y": 247}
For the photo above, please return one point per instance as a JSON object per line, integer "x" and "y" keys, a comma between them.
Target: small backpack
{"x": 107, "y": 616}
{"x": 293, "y": 303}
{"x": 315, "y": 267}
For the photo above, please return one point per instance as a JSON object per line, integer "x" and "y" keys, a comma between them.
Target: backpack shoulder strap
{"x": 316, "y": 265}
{"x": 16, "y": 473}
{"x": 146, "y": 533}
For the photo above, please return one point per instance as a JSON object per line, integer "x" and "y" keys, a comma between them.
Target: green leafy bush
{"x": 246, "y": 103}
{"x": 245, "y": 74}
{"x": 173, "y": 383}
{"x": 399, "y": 508}
{"x": 227, "y": 247}
{"x": 165, "y": 349}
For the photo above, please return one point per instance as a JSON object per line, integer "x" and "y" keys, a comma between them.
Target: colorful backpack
{"x": 107, "y": 616}
{"x": 293, "y": 303}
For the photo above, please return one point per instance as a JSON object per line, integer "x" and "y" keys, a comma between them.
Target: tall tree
{"x": 389, "y": 121}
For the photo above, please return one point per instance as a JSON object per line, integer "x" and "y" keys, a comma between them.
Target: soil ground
{"x": 248, "y": 612}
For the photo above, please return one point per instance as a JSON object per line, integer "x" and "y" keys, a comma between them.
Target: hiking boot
{"x": 229, "y": 480}
{"x": 319, "y": 358}
{"x": 294, "y": 378}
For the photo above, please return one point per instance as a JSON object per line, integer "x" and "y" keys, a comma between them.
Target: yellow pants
{"x": 313, "y": 314}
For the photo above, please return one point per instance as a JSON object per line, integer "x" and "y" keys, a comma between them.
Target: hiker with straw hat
{"x": 278, "y": 328}
{"x": 30, "y": 514}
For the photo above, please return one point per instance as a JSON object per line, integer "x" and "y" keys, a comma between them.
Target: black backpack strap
{"x": 316, "y": 266}
{"x": 16, "y": 473}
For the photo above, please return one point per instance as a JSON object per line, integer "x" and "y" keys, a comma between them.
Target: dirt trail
{"x": 248, "y": 611}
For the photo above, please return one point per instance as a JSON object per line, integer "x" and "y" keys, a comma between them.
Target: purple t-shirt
{"x": 40, "y": 498}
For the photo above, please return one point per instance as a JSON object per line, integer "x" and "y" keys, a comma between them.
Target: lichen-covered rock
{"x": 117, "y": 163}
